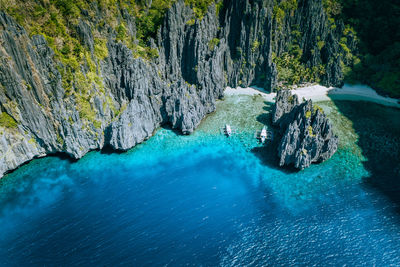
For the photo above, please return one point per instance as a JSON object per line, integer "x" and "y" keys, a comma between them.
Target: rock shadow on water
{"x": 378, "y": 128}
{"x": 268, "y": 156}
{"x": 268, "y": 106}
{"x": 109, "y": 150}
{"x": 268, "y": 153}
{"x": 18, "y": 187}
{"x": 266, "y": 118}
{"x": 169, "y": 127}
{"x": 59, "y": 155}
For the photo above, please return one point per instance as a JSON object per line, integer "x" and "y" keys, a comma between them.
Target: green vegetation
{"x": 83, "y": 94}
{"x": 70, "y": 120}
{"x": 308, "y": 114}
{"x": 332, "y": 7}
{"x": 149, "y": 18}
{"x": 219, "y": 5}
{"x": 255, "y": 45}
{"x": 57, "y": 21}
{"x": 213, "y": 43}
{"x": 121, "y": 32}
{"x": 282, "y": 8}
{"x": 320, "y": 44}
{"x": 310, "y": 131}
{"x": 316, "y": 107}
{"x": 191, "y": 22}
{"x": 199, "y": 7}
{"x": 100, "y": 48}
{"x": 60, "y": 140}
{"x": 86, "y": 111}
{"x": 120, "y": 111}
{"x": 375, "y": 27}
{"x": 7, "y": 121}
{"x": 32, "y": 141}
{"x": 370, "y": 26}
{"x": 291, "y": 71}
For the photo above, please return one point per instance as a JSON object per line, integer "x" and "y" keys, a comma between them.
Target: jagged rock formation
{"x": 119, "y": 100}
{"x": 307, "y": 135}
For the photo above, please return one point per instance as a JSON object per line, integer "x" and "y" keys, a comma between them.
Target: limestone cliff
{"x": 306, "y": 132}
{"x": 119, "y": 99}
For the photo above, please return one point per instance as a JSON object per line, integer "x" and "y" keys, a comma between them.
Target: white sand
{"x": 322, "y": 93}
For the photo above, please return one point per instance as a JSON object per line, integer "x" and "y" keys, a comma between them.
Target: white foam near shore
{"x": 322, "y": 93}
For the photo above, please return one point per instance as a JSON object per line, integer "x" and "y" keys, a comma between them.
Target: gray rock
{"x": 85, "y": 35}
{"x": 196, "y": 62}
{"x": 307, "y": 135}
{"x": 282, "y": 111}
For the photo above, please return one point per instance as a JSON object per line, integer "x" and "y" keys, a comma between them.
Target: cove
{"x": 208, "y": 200}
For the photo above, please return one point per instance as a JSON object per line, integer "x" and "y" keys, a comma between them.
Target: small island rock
{"x": 306, "y": 131}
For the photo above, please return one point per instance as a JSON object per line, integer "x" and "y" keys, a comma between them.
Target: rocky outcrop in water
{"x": 123, "y": 98}
{"x": 307, "y": 135}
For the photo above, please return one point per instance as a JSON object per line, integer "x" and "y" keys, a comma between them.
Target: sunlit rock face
{"x": 129, "y": 97}
{"x": 307, "y": 135}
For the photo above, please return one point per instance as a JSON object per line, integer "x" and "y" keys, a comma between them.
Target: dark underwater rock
{"x": 306, "y": 132}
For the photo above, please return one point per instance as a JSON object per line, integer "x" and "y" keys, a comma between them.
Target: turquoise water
{"x": 203, "y": 200}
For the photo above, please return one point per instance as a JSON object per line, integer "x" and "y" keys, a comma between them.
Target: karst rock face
{"x": 306, "y": 132}
{"x": 134, "y": 96}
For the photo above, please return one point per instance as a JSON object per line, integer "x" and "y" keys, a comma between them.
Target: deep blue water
{"x": 195, "y": 200}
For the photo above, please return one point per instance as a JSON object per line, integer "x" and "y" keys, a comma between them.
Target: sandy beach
{"x": 322, "y": 93}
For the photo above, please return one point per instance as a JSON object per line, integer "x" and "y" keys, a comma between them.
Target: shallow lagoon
{"x": 208, "y": 200}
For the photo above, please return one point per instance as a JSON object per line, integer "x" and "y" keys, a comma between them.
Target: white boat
{"x": 263, "y": 135}
{"x": 228, "y": 130}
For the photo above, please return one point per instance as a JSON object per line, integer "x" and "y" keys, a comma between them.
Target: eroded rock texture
{"x": 133, "y": 96}
{"x": 306, "y": 132}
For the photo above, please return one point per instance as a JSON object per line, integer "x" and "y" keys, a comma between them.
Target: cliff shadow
{"x": 60, "y": 155}
{"x": 378, "y": 128}
{"x": 168, "y": 126}
{"x": 268, "y": 153}
{"x": 266, "y": 117}
{"x": 108, "y": 150}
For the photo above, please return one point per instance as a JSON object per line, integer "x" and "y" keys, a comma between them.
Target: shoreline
{"x": 314, "y": 92}
{"x": 321, "y": 93}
